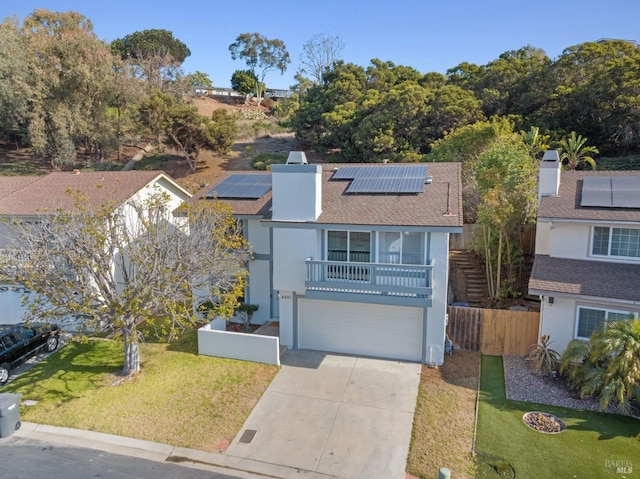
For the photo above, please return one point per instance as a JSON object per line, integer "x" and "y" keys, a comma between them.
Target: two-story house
{"x": 29, "y": 198}
{"x": 350, "y": 258}
{"x": 587, "y": 263}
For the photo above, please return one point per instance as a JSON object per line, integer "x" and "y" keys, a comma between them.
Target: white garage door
{"x": 363, "y": 329}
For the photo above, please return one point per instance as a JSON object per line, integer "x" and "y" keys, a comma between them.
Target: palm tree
{"x": 535, "y": 142}
{"x": 610, "y": 367}
{"x": 574, "y": 152}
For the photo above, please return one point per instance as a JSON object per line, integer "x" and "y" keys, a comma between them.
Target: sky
{"x": 428, "y": 35}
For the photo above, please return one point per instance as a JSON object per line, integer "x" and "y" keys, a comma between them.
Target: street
{"x": 23, "y": 458}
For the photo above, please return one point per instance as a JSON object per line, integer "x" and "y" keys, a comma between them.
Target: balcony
{"x": 382, "y": 283}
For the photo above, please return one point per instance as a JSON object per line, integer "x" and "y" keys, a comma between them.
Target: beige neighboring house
{"x": 27, "y": 198}
{"x": 587, "y": 263}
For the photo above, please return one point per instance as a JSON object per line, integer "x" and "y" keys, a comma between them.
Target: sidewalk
{"x": 220, "y": 463}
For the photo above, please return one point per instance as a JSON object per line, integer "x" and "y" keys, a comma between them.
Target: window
{"x": 401, "y": 248}
{"x": 590, "y": 319}
{"x": 624, "y": 242}
{"x": 352, "y": 246}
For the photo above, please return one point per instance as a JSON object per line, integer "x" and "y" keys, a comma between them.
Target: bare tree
{"x": 318, "y": 54}
{"x": 130, "y": 264}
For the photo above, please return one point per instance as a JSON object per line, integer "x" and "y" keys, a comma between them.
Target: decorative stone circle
{"x": 544, "y": 422}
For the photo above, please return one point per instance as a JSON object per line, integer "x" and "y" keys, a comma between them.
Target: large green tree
{"x": 244, "y": 81}
{"x": 508, "y": 193}
{"x": 127, "y": 265}
{"x": 155, "y": 53}
{"x": 261, "y": 55}
{"x": 71, "y": 75}
{"x": 15, "y": 88}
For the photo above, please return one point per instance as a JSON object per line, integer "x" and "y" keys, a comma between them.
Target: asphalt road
{"x": 22, "y": 458}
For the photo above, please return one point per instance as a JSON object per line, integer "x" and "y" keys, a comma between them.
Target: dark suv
{"x": 18, "y": 342}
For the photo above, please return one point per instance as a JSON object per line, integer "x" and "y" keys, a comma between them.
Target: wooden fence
{"x": 493, "y": 331}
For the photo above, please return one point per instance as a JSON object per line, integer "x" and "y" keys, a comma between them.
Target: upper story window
{"x": 392, "y": 247}
{"x": 401, "y": 248}
{"x": 624, "y": 242}
{"x": 590, "y": 319}
{"x": 354, "y": 246}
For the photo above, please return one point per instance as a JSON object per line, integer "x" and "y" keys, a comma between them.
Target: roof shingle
{"x": 599, "y": 279}
{"x": 36, "y": 195}
{"x": 439, "y": 205}
{"x": 567, "y": 204}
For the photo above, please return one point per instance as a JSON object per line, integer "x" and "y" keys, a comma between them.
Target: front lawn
{"x": 179, "y": 398}
{"x": 594, "y": 445}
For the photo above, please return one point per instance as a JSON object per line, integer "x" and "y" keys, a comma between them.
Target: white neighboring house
{"x": 342, "y": 260}
{"x": 27, "y": 198}
{"x": 587, "y": 262}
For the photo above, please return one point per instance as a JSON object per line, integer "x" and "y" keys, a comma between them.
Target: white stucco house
{"x": 349, "y": 258}
{"x": 28, "y": 198}
{"x": 587, "y": 263}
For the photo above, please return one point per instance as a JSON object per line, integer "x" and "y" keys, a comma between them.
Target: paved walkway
{"x": 342, "y": 416}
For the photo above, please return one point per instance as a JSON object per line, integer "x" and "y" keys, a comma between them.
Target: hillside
{"x": 261, "y": 135}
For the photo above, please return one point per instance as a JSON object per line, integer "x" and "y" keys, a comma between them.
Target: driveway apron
{"x": 343, "y": 416}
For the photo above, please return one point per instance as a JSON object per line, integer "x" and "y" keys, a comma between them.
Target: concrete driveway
{"x": 343, "y": 416}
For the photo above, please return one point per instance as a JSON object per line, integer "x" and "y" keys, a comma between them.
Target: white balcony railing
{"x": 379, "y": 279}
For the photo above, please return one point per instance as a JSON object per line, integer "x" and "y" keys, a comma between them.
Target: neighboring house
{"x": 350, "y": 258}
{"x": 27, "y": 198}
{"x": 587, "y": 263}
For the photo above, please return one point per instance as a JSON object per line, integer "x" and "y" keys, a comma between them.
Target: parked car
{"x": 18, "y": 342}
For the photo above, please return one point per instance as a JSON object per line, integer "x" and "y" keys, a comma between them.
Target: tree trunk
{"x": 131, "y": 358}
{"x": 499, "y": 265}
{"x": 131, "y": 353}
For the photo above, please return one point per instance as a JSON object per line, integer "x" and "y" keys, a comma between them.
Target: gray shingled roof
{"x": 567, "y": 204}
{"x": 599, "y": 279}
{"x": 34, "y": 195}
{"x": 439, "y": 205}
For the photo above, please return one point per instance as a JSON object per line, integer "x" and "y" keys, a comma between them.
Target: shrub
{"x": 608, "y": 365}
{"x": 264, "y": 161}
{"x": 543, "y": 358}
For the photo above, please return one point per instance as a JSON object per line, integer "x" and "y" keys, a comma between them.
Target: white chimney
{"x": 296, "y": 192}
{"x": 549, "y": 174}
{"x": 297, "y": 158}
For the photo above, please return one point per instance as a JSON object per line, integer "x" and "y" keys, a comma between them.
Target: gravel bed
{"x": 523, "y": 384}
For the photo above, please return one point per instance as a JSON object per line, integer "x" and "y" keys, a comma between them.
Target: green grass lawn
{"x": 588, "y": 448}
{"x": 178, "y": 398}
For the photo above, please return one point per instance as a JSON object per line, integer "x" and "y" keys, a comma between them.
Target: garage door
{"x": 363, "y": 329}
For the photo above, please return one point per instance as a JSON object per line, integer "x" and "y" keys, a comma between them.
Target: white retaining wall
{"x": 247, "y": 347}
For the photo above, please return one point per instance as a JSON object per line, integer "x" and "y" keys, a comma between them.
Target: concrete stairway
{"x": 476, "y": 282}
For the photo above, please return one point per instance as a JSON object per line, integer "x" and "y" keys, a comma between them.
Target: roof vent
{"x": 428, "y": 180}
{"x": 297, "y": 158}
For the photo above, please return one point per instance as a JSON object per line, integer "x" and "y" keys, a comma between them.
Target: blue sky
{"x": 428, "y": 35}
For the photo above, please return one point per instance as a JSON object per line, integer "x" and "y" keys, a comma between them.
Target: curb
{"x": 154, "y": 451}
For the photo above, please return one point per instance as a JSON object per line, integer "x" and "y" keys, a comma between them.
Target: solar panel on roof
{"x": 625, "y": 191}
{"x": 345, "y": 173}
{"x": 241, "y": 186}
{"x": 611, "y": 191}
{"x": 384, "y": 179}
{"x": 596, "y": 191}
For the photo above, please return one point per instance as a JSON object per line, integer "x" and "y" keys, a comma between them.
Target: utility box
{"x": 9, "y": 414}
